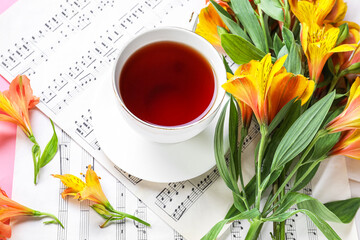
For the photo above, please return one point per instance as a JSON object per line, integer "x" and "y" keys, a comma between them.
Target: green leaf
{"x": 293, "y": 61}
{"x": 343, "y": 34}
{"x": 235, "y": 163}
{"x": 277, "y": 44}
{"x": 324, "y": 145}
{"x": 302, "y": 132}
{"x": 278, "y": 135}
{"x": 345, "y": 210}
{"x": 273, "y": 8}
{"x": 215, "y": 230}
{"x": 227, "y": 19}
{"x": 280, "y": 116}
{"x": 267, "y": 31}
{"x": 323, "y": 226}
{"x": 283, "y": 51}
{"x": 50, "y": 149}
{"x": 288, "y": 37}
{"x": 246, "y": 15}
{"x": 316, "y": 207}
{"x": 240, "y": 50}
{"x": 219, "y": 155}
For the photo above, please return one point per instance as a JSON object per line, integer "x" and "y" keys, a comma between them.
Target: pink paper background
{"x": 7, "y": 133}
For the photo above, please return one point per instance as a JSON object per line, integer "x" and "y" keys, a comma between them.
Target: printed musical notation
{"x": 64, "y": 150}
{"x": 178, "y": 197}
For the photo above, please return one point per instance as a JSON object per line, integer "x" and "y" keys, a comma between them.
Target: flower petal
{"x": 344, "y": 48}
{"x": 72, "y": 182}
{"x": 243, "y": 89}
{"x": 209, "y": 20}
{"x": 5, "y": 230}
{"x": 338, "y": 12}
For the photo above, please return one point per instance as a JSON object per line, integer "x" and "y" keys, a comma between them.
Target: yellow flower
{"x": 318, "y": 44}
{"x": 90, "y": 190}
{"x": 209, "y": 20}
{"x": 349, "y": 119}
{"x": 16, "y": 102}
{"x": 267, "y": 87}
{"x": 349, "y": 145}
{"x": 311, "y": 12}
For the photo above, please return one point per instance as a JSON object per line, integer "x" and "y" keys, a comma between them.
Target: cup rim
{"x": 186, "y": 125}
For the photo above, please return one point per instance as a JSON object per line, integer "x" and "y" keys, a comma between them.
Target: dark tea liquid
{"x": 167, "y": 83}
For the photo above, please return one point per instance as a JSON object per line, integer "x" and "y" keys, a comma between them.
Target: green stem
{"x": 111, "y": 209}
{"x": 37, "y": 213}
{"x": 275, "y": 224}
{"x": 306, "y": 173}
{"x": 254, "y": 230}
{"x": 244, "y": 132}
{"x": 261, "y": 18}
{"x": 36, "y": 152}
{"x": 333, "y": 83}
{"x": 282, "y": 224}
{"x": 264, "y": 133}
{"x": 320, "y": 134}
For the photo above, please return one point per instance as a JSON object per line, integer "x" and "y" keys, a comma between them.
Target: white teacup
{"x": 165, "y": 134}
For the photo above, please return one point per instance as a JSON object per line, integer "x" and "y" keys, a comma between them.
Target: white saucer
{"x": 147, "y": 160}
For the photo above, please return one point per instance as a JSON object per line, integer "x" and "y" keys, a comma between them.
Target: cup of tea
{"x": 168, "y": 84}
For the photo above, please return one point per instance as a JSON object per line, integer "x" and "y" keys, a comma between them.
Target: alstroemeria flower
{"x": 209, "y": 20}
{"x": 344, "y": 60}
{"x": 318, "y": 44}
{"x": 349, "y": 145}
{"x": 10, "y": 209}
{"x": 338, "y": 12}
{"x": 311, "y": 12}
{"x": 246, "y": 111}
{"x": 16, "y": 102}
{"x": 349, "y": 119}
{"x": 267, "y": 87}
{"x": 90, "y": 190}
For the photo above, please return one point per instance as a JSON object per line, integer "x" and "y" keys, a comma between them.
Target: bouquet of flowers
{"x": 299, "y": 77}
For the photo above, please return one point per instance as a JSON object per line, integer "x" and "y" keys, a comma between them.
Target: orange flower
{"x": 246, "y": 111}
{"x": 16, "y": 102}
{"x": 338, "y": 12}
{"x": 90, "y": 190}
{"x": 349, "y": 119}
{"x": 267, "y": 87}
{"x": 349, "y": 145}
{"x": 209, "y": 20}
{"x": 5, "y": 230}
{"x": 10, "y": 209}
{"x": 313, "y": 11}
{"x": 344, "y": 60}
{"x": 318, "y": 44}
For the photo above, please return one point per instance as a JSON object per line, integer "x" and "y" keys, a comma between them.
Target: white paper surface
{"x": 65, "y": 46}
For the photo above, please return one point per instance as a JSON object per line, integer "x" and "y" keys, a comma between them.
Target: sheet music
{"x": 65, "y": 51}
{"x": 82, "y": 223}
